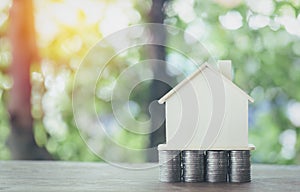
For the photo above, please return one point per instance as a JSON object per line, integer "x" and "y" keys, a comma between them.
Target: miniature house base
{"x": 164, "y": 147}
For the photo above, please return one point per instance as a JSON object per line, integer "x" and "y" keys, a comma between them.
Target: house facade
{"x": 207, "y": 111}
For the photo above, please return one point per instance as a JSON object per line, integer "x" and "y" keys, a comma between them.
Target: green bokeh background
{"x": 263, "y": 42}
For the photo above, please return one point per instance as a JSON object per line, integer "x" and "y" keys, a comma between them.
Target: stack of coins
{"x": 170, "y": 166}
{"x": 239, "y": 166}
{"x": 216, "y": 166}
{"x": 193, "y": 166}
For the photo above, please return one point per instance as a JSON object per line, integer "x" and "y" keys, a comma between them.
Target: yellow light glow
{"x": 52, "y": 17}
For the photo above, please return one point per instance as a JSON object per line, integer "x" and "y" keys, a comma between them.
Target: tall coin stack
{"x": 170, "y": 166}
{"x": 193, "y": 166}
{"x": 216, "y": 166}
{"x": 239, "y": 166}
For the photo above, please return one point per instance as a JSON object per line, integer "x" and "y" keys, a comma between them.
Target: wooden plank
{"x": 71, "y": 176}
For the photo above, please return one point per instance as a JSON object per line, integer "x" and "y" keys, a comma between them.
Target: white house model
{"x": 207, "y": 111}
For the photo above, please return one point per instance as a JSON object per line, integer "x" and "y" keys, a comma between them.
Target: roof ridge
{"x": 194, "y": 74}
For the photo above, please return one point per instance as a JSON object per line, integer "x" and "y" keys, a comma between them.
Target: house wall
{"x": 207, "y": 113}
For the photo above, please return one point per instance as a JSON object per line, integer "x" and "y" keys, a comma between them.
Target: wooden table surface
{"x": 70, "y": 176}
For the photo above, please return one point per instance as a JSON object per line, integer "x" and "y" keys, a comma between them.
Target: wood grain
{"x": 43, "y": 176}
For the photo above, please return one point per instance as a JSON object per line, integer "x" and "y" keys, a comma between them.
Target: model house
{"x": 207, "y": 111}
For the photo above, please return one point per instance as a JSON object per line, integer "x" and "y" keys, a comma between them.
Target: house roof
{"x": 201, "y": 68}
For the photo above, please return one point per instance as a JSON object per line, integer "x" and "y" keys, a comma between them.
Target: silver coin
{"x": 217, "y": 159}
{"x": 216, "y": 179}
{"x": 239, "y": 159}
{"x": 232, "y": 180}
{"x": 232, "y": 159}
{"x": 240, "y": 152}
{"x": 244, "y": 164}
{"x": 239, "y": 167}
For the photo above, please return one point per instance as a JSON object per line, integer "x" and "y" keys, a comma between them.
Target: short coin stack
{"x": 193, "y": 166}
{"x": 216, "y": 166}
{"x": 239, "y": 166}
{"x": 210, "y": 166}
{"x": 170, "y": 166}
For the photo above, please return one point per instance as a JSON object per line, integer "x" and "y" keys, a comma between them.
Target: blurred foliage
{"x": 5, "y": 82}
{"x": 261, "y": 38}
